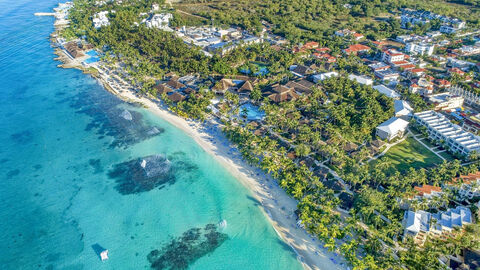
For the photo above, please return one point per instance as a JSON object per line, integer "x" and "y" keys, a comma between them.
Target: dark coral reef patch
{"x": 181, "y": 252}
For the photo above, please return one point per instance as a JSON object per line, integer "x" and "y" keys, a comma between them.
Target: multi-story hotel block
{"x": 440, "y": 128}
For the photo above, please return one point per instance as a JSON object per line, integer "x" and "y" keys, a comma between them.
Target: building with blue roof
{"x": 419, "y": 224}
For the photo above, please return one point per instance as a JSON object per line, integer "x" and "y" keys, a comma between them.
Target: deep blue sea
{"x": 72, "y": 182}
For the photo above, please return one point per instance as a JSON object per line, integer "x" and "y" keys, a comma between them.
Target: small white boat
{"x": 104, "y": 255}
{"x": 222, "y": 224}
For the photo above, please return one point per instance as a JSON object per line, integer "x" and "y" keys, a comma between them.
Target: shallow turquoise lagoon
{"x": 70, "y": 181}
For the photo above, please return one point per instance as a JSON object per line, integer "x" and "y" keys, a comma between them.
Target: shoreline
{"x": 264, "y": 189}
{"x": 276, "y": 205}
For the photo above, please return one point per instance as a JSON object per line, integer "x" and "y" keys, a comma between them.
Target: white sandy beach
{"x": 276, "y": 204}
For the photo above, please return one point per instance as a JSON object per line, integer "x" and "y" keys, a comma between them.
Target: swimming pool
{"x": 94, "y": 57}
{"x": 91, "y": 60}
{"x": 253, "y": 112}
{"x": 92, "y": 53}
{"x": 262, "y": 70}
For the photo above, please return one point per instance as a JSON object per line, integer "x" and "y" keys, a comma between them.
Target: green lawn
{"x": 411, "y": 153}
{"x": 447, "y": 156}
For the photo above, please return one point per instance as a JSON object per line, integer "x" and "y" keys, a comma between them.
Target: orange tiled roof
{"x": 466, "y": 179}
{"x": 401, "y": 63}
{"x": 408, "y": 66}
{"x": 324, "y": 49}
{"x": 357, "y": 48}
{"x": 443, "y": 82}
{"x": 393, "y": 53}
{"x": 310, "y": 45}
{"x": 456, "y": 70}
{"x": 427, "y": 189}
{"x": 417, "y": 70}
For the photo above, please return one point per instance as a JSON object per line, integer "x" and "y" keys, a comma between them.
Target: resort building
{"x": 453, "y": 136}
{"x": 344, "y": 32}
{"x": 448, "y": 220}
{"x": 176, "y": 97}
{"x": 392, "y": 128}
{"x": 427, "y": 192}
{"x": 419, "y": 48}
{"x": 445, "y": 101}
{"x": 283, "y": 93}
{"x": 223, "y": 86}
{"x": 467, "y": 186}
{"x": 420, "y": 223}
{"x": 246, "y": 88}
{"x": 417, "y": 225}
{"x": 320, "y": 77}
{"x": 386, "y": 91}
{"x": 415, "y": 72}
{"x": 402, "y": 109}
{"x": 300, "y": 70}
{"x": 301, "y": 86}
{"x": 360, "y": 79}
{"x": 378, "y": 66}
{"x": 426, "y": 196}
{"x": 100, "y": 19}
{"x": 387, "y": 75}
{"x": 160, "y": 21}
{"x": 73, "y": 50}
{"x": 422, "y": 86}
{"x": 391, "y": 56}
{"x": 452, "y": 27}
{"x": 356, "y": 49}
{"x": 442, "y": 83}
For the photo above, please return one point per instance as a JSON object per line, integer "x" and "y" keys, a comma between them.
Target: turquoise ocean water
{"x": 70, "y": 178}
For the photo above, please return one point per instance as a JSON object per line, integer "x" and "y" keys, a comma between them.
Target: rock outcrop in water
{"x": 186, "y": 249}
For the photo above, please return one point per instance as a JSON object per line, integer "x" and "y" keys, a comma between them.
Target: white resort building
{"x": 441, "y": 129}
{"x": 419, "y": 48}
{"x": 420, "y": 223}
{"x": 466, "y": 186}
{"x": 160, "y": 21}
{"x": 100, "y": 19}
{"x": 360, "y": 79}
{"x": 402, "y": 109}
{"x": 392, "y": 128}
{"x": 445, "y": 101}
{"x": 386, "y": 91}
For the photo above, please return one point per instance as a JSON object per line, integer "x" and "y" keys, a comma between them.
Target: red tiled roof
{"x": 357, "y": 48}
{"x": 427, "y": 189}
{"x": 331, "y": 59}
{"x": 457, "y": 71}
{"x": 401, "y": 63}
{"x": 393, "y": 53}
{"x": 324, "y": 49}
{"x": 443, "y": 82}
{"x": 310, "y": 45}
{"x": 408, "y": 66}
{"x": 417, "y": 70}
{"x": 466, "y": 179}
{"x": 296, "y": 49}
